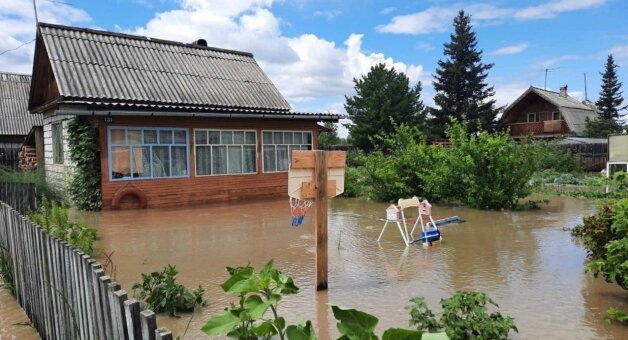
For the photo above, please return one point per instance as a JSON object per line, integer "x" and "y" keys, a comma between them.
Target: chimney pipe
{"x": 200, "y": 42}
{"x": 563, "y": 91}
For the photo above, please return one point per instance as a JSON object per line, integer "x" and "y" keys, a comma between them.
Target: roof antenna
{"x": 585, "y": 87}
{"x": 547, "y": 70}
{"x": 35, "y": 8}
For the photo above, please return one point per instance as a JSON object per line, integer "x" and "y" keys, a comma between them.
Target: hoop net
{"x": 299, "y": 208}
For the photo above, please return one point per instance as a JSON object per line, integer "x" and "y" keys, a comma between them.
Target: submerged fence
{"x": 66, "y": 293}
{"x": 21, "y": 196}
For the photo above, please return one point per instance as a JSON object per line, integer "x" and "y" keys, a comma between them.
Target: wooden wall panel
{"x": 195, "y": 190}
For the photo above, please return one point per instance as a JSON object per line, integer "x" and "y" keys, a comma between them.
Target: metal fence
{"x": 66, "y": 293}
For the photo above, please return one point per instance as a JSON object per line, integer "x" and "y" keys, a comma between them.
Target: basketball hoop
{"x": 299, "y": 208}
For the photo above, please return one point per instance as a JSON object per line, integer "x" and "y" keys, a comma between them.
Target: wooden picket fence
{"x": 21, "y": 196}
{"x": 66, "y": 293}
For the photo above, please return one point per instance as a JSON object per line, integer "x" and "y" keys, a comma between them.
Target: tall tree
{"x": 460, "y": 82}
{"x": 610, "y": 95}
{"x": 329, "y": 137}
{"x": 381, "y": 95}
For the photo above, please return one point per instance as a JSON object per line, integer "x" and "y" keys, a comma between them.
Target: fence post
{"x": 163, "y": 334}
{"x": 119, "y": 297}
{"x": 132, "y": 311}
{"x": 149, "y": 324}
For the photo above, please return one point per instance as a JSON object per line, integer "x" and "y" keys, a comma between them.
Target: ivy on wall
{"x": 84, "y": 186}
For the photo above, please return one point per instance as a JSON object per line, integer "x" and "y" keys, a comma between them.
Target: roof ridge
{"x": 14, "y": 74}
{"x": 143, "y": 38}
{"x": 540, "y": 89}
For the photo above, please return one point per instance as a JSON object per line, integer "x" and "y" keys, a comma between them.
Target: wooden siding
{"x": 194, "y": 190}
{"x": 543, "y": 128}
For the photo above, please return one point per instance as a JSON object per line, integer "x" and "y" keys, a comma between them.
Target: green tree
{"x": 327, "y": 138}
{"x": 460, "y": 82}
{"x": 383, "y": 97}
{"x": 610, "y": 95}
{"x": 601, "y": 128}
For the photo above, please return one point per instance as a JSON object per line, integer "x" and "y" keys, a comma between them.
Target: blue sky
{"x": 313, "y": 49}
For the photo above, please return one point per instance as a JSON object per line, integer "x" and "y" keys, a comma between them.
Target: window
{"x": 532, "y": 117}
{"x": 221, "y": 152}
{"x": 140, "y": 153}
{"x": 57, "y": 143}
{"x": 278, "y": 145}
{"x": 555, "y": 115}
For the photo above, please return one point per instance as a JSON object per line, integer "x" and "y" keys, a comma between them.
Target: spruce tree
{"x": 608, "y": 104}
{"x": 460, "y": 82}
{"x": 381, "y": 95}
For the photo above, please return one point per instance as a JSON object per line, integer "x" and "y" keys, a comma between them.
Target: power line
{"x": 13, "y": 49}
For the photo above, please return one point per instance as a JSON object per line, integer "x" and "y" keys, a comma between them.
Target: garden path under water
{"x": 524, "y": 260}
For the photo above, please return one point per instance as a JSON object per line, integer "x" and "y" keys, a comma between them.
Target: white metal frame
{"x": 608, "y": 167}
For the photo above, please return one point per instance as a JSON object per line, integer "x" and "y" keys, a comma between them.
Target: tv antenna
{"x": 585, "y": 87}
{"x": 548, "y": 70}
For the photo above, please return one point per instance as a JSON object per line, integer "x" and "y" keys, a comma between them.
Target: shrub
{"x": 160, "y": 292}
{"x": 6, "y": 272}
{"x": 553, "y": 156}
{"x": 84, "y": 188}
{"x": 54, "y": 218}
{"x": 35, "y": 176}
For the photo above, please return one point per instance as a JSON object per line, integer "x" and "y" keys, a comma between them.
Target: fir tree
{"x": 608, "y": 104}
{"x": 460, "y": 82}
{"x": 381, "y": 95}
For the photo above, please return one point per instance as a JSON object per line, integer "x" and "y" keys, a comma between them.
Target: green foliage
{"x": 35, "y": 176}
{"x": 257, "y": 293}
{"x": 616, "y": 314}
{"x": 84, "y": 188}
{"x": 327, "y": 138}
{"x": 601, "y": 128}
{"x": 567, "y": 184}
{"x": 610, "y": 101}
{"x": 160, "y": 292}
{"x": 383, "y": 97}
{"x": 6, "y": 271}
{"x": 462, "y": 93}
{"x": 552, "y": 155}
{"x": 54, "y": 218}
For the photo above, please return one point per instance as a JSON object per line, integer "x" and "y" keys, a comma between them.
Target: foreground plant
{"x": 257, "y": 293}
{"x": 160, "y": 292}
{"x": 6, "y": 272}
{"x": 54, "y": 218}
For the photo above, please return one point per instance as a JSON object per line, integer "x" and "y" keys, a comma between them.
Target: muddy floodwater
{"x": 524, "y": 260}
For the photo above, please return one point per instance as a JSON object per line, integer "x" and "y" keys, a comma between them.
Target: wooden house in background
{"x": 546, "y": 114}
{"x": 15, "y": 121}
{"x": 178, "y": 123}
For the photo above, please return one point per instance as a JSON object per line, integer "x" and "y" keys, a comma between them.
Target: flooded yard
{"x": 523, "y": 260}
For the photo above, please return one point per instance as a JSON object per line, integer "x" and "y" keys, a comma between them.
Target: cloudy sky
{"x": 313, "y": 49}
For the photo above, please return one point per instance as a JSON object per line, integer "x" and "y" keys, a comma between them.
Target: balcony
{"x": 545, "y": 128}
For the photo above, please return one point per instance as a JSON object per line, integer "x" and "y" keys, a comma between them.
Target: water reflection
{"x": 524, "y": 260}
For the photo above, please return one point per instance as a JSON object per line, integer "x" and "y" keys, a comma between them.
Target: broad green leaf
{"x": 401, "y": 334}
{"x": 237, "y": 275}
{"x": 301, "y": 332}
{"x": 265, "y": 329}
{"x": 435, "y": 336}
{"x": 355, "y": 324}
{"x": 244, "y": 286}
{"x": 255, "y": 307}
{"x": 221, "y": 323}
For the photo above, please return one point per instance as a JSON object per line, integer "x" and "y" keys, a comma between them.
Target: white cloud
{"x": 438, "y": 18}
{"x": 425, "y": 46}
{"x": 619, "y": 51}
{"x": 579, "y": 95}
{"x": 507, "y": 93}
{"x": 387, "y": 10}
{"x": 17, "y": 20}
{"x": 305, "y": 68}
{"x": 329, "y": 15}
{"x": 508, "y": 50}
{"x": 553, "y": 61}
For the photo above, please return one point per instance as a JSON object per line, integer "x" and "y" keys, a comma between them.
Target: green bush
{"x": 553, "y": 156}
{"x": 160, "y": 292}
{"x": 35, "y": 176}
{"x": 84, "y": 187}
{"x": 54, "y": 218}
{"x": 6, "y": 272}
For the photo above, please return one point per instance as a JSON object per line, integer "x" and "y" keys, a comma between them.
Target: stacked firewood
{"x": 28, "y": 157}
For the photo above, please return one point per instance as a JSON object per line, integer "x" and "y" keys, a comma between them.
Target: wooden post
{"x": 320, "y": 218}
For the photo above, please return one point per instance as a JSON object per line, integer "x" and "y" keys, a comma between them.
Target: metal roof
{"x": 583, "y": 140}
{"x": 101, "y": 67}
{"x": 14, "y": 117}
{"x": 573, "y": 111}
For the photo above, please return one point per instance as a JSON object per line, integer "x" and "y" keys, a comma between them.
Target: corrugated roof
{"x": 14, "y": 116}
{"x": 583, "y": 140}
{"x": 573, "y": 111}
{"x": 102, "y": 67}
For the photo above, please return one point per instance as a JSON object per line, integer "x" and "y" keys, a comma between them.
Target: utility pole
{"x": 547, "y": 70}
{"x": 36, "y": 18}
{"x": 585, "y": 87}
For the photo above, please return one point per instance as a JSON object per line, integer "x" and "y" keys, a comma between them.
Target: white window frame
{"x": 553, "y": 112}
{"x": 226, "y": 174}
{"x": 534, "y": 115}
{"x": 608, "y": 167}
{"x": 283, "y": 131}
{"x": 56, "y": 134}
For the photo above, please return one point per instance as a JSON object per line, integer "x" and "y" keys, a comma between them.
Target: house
{"x": 546, "y": 114}
{"x": 177, "y": 123}
{"x": 15, "y": 121}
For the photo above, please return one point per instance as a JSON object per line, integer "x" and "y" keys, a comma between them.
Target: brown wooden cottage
{"x": 178, "y": 123}
{"x": 546, "y": 114}
{"x": 15, "y": 121}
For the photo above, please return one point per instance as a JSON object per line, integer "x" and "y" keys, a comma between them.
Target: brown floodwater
{"x": 14, "y": 323}
{"x": 524, "y": 260}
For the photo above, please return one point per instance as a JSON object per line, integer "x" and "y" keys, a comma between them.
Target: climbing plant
{"x": 84, "y": 188}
